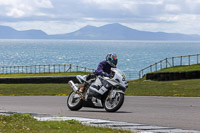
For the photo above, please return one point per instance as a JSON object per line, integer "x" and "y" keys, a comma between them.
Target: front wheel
{"x": 112, "y": 105}
{"x": 74, "y": 102}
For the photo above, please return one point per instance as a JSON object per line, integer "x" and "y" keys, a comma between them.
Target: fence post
{"x": 156, "y": 66}
{"x": 22, "y": 69}
{"x": 54, "y": 68}
{"x": 3, "y": 70}
{"x": 44, "y": 68}
{"x": 181, "y": 61}
{"x": 26, "y": 69}
{"x": 10, "y": 69}
{"x": 160, "y": 65}
{"x": 166, "y": 62}
{"x": 70, "y": 67}
{"x": 189, "y": 59}
{"x": 49, "y": 68}
{"x": 172, "y": 61}
{"x": 6, "y": 70}
{"x": 139, "y": 74}
{"x": 64, "y": 67}
{"x": 59, "y": 68}
{"x": 35, "y": 68}
{"x": 197, "y": 58}
{"x": 151, "y": 68}
{"x": 142, "y": 73}
{"x": 39, "y": 68}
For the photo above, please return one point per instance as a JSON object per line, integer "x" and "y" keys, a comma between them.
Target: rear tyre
{"x": 112, "y": 105}
{"x": 74, "y": 102}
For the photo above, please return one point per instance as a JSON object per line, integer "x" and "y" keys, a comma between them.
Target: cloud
{"x": 62, "y": 16}
{"x": 172, "y": 8}
{"x": 124, "y": 6}
{"x": 43, "y": 3}
{"x": 21, "y": 8}
{"x": 172, "y": 24}
{"x": 14, "y": 12}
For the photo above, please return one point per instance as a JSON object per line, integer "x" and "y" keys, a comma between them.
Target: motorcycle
{"x": 101, "y": 92}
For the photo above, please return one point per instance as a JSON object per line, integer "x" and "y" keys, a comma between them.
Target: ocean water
{"x": 132, "y": 55}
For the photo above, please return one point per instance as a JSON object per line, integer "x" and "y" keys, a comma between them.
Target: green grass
{"x": 34, "y": 89}
{"x": 43, "y": 74}
{"x": 24, "y": 123}
{"x": 184, "y": 68}
{"x": 37, "y": 89}
{"x": 183, "y": 88}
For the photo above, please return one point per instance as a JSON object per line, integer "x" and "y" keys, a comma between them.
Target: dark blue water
{"x": 133, "y": 55}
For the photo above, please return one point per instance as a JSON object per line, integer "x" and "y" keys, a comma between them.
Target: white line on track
{"x": 141, "y": 128}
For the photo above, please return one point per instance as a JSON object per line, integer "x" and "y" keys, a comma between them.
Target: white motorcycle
{"x": 102, "y": 92}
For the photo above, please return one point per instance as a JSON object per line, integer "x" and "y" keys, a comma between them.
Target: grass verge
{"x": 34, "y": 89}
{"x": 184, "y": 88}
{"x": 184, "y": 68}
{"x": 24, "y": 123}
{"x": 181, "y": 88}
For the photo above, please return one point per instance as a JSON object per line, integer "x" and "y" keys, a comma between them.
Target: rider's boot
{"x": 82, "y": 88}
{"x": 88, "y": 79}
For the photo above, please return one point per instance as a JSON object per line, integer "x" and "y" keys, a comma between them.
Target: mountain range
{"x": 107, "y": 32}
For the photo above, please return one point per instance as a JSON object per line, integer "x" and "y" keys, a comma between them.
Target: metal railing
{"x": 170, "y": 62}
{"x": 131, "y": 75}
{"x": 56, "y": 68}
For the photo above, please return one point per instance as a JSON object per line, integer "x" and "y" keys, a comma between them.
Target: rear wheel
{"x": 74, "y": 102}
{"x": 113, "y": 104}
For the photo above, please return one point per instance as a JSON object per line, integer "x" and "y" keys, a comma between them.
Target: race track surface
{"x": 177, "y": 112}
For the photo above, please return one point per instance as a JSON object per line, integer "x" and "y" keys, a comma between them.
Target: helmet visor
{"x": 114, "y": 62}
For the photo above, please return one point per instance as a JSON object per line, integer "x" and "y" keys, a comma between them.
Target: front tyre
{"x": 74, "y": 102}
{"x": 112, "y": 105}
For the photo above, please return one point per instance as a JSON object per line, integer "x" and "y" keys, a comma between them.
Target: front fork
{"x": 75, "y": 89}
{"x": 113, "y": 93}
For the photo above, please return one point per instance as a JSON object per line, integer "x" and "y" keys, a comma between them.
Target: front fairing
{"x": 119, "y": 78}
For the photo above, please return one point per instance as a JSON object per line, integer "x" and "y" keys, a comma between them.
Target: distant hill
{"x": 10, "y": 33}
{"x": 107, "y": 32}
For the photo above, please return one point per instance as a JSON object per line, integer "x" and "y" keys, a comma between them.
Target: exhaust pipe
{"x": 75, "y": 88}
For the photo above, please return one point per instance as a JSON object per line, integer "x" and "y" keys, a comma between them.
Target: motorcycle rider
{"x": 104, "y": 68}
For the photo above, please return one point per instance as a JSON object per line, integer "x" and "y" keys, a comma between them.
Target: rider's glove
{"x": 106, "y": 74}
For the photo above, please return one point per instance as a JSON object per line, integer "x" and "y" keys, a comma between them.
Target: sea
{"x": 132, "y": 55}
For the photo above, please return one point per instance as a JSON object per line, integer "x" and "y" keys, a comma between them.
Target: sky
{"x": 64, "y": 16}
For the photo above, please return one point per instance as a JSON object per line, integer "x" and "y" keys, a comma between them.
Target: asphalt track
{"x": 176, "y": 112}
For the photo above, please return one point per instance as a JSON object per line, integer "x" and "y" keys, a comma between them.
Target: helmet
{"x": 112, "y": 59}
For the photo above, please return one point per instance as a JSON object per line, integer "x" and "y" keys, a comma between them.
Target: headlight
{"x": 112, "y": 74}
